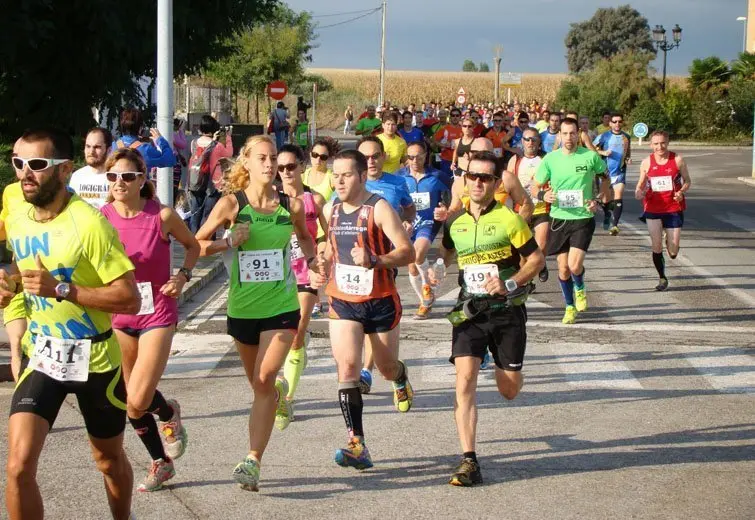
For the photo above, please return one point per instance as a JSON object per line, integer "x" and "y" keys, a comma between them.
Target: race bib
{"x": 570, "y": 199}
{"x": 265, "y": 265}
{"x": 148, "y": 301}
{"x": 660, "y": 184}
{"x": 421, "y": 200}
{"x": 62, "y": 359}
{"x": 296, "y": 253}
{"x": 498, "y": 152}
{"x": 474, "y": 277}
{"x": 354, "y": 279}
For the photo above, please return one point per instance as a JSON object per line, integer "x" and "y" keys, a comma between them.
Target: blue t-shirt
{"x": 426, "y": 194}
{"x": 516, "y": 139}
{"x": 616, "y": 162}
{"x": 156, "y": 155}
{"x": 413, "y": 136}
{"x": 547, "y": 140}
{"x": 391, "y": 188}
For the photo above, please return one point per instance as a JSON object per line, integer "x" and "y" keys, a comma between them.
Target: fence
{"x": 194, "y": 98}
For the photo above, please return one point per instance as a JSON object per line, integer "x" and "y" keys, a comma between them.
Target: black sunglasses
{"x": 322, "y": 156}
{"x": 529, "y": 139}
{"x": 124, "y": 176}
{"x": 290, "y": 167}
{"x": 484, "y": 177}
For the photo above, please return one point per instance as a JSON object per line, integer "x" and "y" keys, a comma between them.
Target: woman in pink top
{"x": 290, "y": 167}
{"x": 144, "y": 226}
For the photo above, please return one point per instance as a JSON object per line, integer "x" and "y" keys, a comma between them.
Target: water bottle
{"x": 440, "y": 269}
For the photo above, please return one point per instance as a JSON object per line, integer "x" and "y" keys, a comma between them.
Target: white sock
{"x": 423, "y": 268}
{"x": 416, "y": 283}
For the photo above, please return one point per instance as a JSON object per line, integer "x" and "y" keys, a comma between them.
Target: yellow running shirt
{"x": 395, "y": 149}
{"x": 78, "y": 246}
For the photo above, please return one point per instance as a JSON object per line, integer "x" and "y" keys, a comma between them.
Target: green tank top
{"x": 301, "y": 134}
{"x": 262, "y": 283}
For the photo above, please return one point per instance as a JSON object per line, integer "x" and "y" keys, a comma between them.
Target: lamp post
{"x": 743, "y": 19}
{"x": 659, "y": 37}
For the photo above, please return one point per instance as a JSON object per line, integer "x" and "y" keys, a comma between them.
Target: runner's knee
{"x": 264, "y": 383}
{"x": 20, "y": 471}
{"x": 108, "y": 464}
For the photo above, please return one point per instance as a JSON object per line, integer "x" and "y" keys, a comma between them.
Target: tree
{"x": 744, "y": 66}
{"x": 60, "y": 59}
{"x": 707, "y": 73}
{"x": 275, "y": 50}
{"x": 469, "y": 66}
{"x": 484, "y": 67}
{"x": 610, "y": 31}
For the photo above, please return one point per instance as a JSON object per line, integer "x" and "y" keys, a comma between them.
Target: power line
{"x": 372, "y": 11}
{"x": 340, "y": 14}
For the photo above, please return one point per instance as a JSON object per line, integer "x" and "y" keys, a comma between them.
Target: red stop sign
{"x": 277, "y": 90}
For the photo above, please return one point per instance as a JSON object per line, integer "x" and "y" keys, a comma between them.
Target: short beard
{"x": 96, "y": 165}
{"x": 48, "y": 190}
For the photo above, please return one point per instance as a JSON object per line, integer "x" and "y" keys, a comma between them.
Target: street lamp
{"x": 659, "y": 37}
{"x": 744, "y": 36}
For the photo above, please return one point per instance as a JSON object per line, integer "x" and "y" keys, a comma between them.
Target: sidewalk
{"x": 204, "y": 272}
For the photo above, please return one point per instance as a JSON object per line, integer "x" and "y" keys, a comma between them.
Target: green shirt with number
{"x": 301, "y": 134}
{"x": 572, "y": 178}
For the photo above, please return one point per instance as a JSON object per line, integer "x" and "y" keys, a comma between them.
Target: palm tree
{"x": 709, "y": 72}
{"x": 744, "y": 66}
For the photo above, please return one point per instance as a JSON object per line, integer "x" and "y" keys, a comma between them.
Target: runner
{"x": 489, "y": 239}
{"x": 605, "y": 124}
{"x": 69, "y": 318}
{"x": 549, "y": 135}
{"x": 394, "y": 145}
{"x": 366, "y": 243}
{"x": 369, "y": 123}
{"x": 498, "y": 133}
{"x": 584, "y": 137}
{"x": 263, "y": 308}
{"x": 290, "y": 166}
{"x": 427, "y": 191}
{"x": 616, "y": 147}
{"x": 664, "y": 180}
{"x": 89, "y": 181}
{"x": 462, "y": 146}
{"x": 393, "y": 189}
{"x": 444, "y": 138}
{"x": 145, "y": 227}
{"x": 566, "y": 179}
{"x": 525, "y": 167}
{"x": 410, "y": 132}
{"x": 300, "y": 135}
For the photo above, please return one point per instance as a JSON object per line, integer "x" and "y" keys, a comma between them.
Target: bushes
{"x": 652, "y": 113}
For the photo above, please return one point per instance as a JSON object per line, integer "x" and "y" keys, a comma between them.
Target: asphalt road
{"x": 644, "y": 409}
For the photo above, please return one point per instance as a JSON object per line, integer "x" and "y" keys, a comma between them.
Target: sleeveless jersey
{"x": 463, "y": 149}
{"x": 298, "y": 262}
{"x": 525, "y": 169}
{"x": 150, "y": 253}
{"x": 663, "y": 181}
{"x": 345, "y": 229}
{"x": 325, "y": 188}
{"x": 262, "y": 283}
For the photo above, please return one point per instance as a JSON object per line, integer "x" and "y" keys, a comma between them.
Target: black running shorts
{"x": 248, "y": 330}
{"x": 567, "y": 234}
{"x": 503, "y": 331}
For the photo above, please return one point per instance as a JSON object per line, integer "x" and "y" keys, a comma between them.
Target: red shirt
{"x": 663, "y": 181}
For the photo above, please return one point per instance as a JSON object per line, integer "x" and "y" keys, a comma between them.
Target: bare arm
{"x": 299, "y": 221}
{"x": 685, "y": 174}
{"x": 120, "y": 296}
{"x": 639, "y": 190}
{"x": 403, "y": 252}
{"x": 320, "y": 203}
{"x": 174, "y": 225}
{"x": 223, "y": 213}
{"x": 515, "y": 190}
{"x": 533, "y": 264}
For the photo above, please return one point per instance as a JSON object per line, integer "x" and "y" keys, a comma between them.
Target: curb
{"x": 205, "y": 277}
{"x": 748, "y": 180}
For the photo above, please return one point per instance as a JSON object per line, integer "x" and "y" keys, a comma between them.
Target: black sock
{"x": 351, "y": 407}
{"x": 146, "y": 429}
{"x": 618, "y": 208}
{"x": 401, "y": 377}
{"x": 470, "y": 455}
{"x": 160, "y": 407}
{"x": 659, "y": 264}
{"x": 606, "y": 210}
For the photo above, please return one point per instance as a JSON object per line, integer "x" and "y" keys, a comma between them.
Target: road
{"x": 644, "y": 409}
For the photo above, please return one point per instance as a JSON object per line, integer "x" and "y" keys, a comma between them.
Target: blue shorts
{"x": 376, "y": 315}
{"x": 668, "y": 220}
{"x": 621, "y": 178}
{"x": 426, "y": 229}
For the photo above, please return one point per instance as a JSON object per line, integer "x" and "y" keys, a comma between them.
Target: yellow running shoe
{"x": 403, "y": 393}
{"x": 570, "y": 315}
{"x": 580, "y": 300}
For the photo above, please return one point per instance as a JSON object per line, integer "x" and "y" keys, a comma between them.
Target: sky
{"x": 441, "y": 34}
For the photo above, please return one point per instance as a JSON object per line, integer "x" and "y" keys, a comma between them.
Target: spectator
{"x": 279, "y": 123}
{"x": 155, "y": 150}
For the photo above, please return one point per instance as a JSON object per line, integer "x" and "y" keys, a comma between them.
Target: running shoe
{"x": 580, "y": 299}
{"x": 403, "y": 393}
{"x": 467, "y": 474}
{"x": 570, "y": 315}
{"x": 365, "y": 381}
{"x": 317, "y": 311}
{"x": 428, "y": 296}
{"x": 422, "y": 313}
{"x": 662, "y": 285}
{"x": 283, "y": 411}
{"x": 485, "y": 361}
{"x": 247, "y": 474}
{"x": 355, "y": 455}
{"x": 160, "y": 471}
{"x": 543, "y": 276}
{"x": 614, "y": 231}
{"x": 173, "y": 432}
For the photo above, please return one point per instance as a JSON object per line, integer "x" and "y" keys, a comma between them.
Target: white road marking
{"x": 641, "y": 326}
{"x": 209, "y": 311}
{"x": 196, "y": 355}
{"x": 726, "y": 370}
{"x": 598, "y": 369}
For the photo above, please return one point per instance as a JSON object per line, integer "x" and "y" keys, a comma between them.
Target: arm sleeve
{"x": 161, "y": 155}
{"x": 448, "y": 242}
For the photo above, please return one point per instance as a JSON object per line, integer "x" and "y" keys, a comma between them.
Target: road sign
{"x": 461, "y": 92}
{"x": 511, "y": 79}
{"x": 277, "y": 90}
{"x": 461, "y": 96}
{"x": 640, "y": 130}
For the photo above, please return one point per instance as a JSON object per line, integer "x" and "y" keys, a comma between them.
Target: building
{"x": 750, "y": 38}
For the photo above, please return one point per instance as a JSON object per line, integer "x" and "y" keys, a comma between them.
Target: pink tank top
{"x": 142, "y": 238}
{"x": 298, "y": 262}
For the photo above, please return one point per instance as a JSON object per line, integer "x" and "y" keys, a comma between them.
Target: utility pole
{"x": 382, "y": 61}
{"x": 498, "y": 50}
{"x": 165, "y": 92}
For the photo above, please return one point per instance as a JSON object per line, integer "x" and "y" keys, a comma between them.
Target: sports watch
{"x": 62, "y": 290}
{"x": 186, "y": 272}
{"x": 510, "y": 285}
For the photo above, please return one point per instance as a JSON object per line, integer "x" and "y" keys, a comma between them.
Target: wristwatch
{"x": 186, "y": 272}
{"x": 510, "y": 285}
{"x": 373, "y": 261}
{"x": 62, "y": 290}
